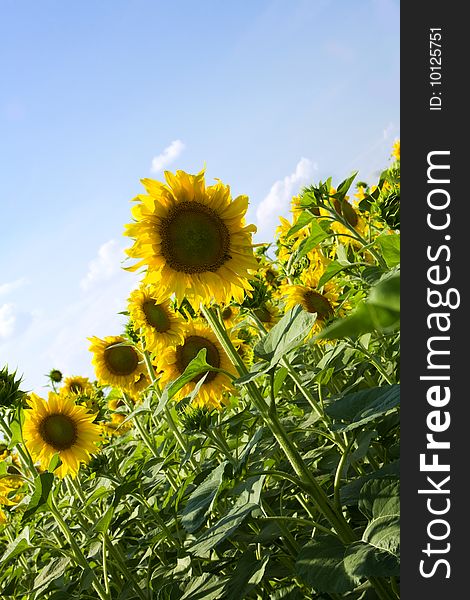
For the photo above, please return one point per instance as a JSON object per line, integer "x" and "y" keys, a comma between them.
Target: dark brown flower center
{"x": 314, "y": 302}
{"x": 227, "y": 313}
{"x": 156, "y": 316}
{"x": 121, "y": 360}
{"x": 194, "y": 238}
{"x": 59, "y": 431}
{"x": 190, "y": 349}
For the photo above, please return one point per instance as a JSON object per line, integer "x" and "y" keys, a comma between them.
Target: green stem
{"x": 77, "y": 552}
{"x": 339, "y": 474}
{"x": 310, "y": 485}
{"x": 168, "y": 416}
{"x": 121, "y": 563}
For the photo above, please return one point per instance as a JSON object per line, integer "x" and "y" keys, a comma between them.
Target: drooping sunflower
{"x": 77, "y": 386}
{"x": 174, "y": 360}
{"x": 58, "y": 425}
{"x": 268, "y": 313}
{"x": 352, "y": 216}
{"x": 159, "y": 324}
{"x": 116, "y": 363}
{"x": 192, "y": 239}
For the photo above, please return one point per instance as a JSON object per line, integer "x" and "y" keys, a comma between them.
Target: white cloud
{"x": 277, "y": 202}
{"x": 7, "y": 320}
{"x": 104, "y": 266}
{"x": 6, "y": 288}
{"x": 168, "y": 155}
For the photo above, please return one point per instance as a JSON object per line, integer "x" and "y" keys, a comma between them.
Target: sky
{"x": 267, "y": 95}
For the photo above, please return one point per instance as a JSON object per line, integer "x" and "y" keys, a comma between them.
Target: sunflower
{"x": 396, "y": 150}
{"x": 159, "y": 324}
{"x": 174, "y": 360}
{"x": 229, "y": 315}
{"x": 116, "y": 362}
{"x": 59, "y": 426}
{"x": 268, "y": 314}
{"x": 192, "y": 239}
{"x": 9, "y": 485}
{"x": 322, "y": 301}
{"x": 76, "y": 386}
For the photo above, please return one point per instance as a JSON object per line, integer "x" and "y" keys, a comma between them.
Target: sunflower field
{"x": 241, "y": 439}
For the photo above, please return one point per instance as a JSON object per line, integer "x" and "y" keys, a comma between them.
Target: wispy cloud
{"x": 277, "y": 202}
{"x": 6, "y": 288}
{"x": 106, "y": 264}
{"x": 168, "y": 155}
{"x": 7, "y": 320}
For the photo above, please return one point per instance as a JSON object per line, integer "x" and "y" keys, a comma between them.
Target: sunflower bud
{"x": 55, "y": 376}
{"x": 10, "y": 394}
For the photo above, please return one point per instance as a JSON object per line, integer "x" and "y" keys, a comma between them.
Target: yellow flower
{"x": 58, "y": 425}
{"x": 76, "y": 386}
{"x": 159, "y": 324}
{"x": 349, "y": 214}
{"x": 313, "y": 300}
{"x": 396, "y": 149}
{"x": 9, "y": 484}
{"x": 116, "y": 362}
{"x": 173, "y": 361}
{"x": 230, "y": 315}
{"x": 192, "y": 239}
{"x": 3, "y": 517}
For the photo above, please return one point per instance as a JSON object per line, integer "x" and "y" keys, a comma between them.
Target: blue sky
{"x": 270, "y": 95}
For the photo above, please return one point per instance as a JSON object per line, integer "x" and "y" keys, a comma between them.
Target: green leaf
{"x": 317, "y": 235}
{"x": 196, "y": 367}
{"x": 202, "y": 498}
{"x": 221, "y": 530}
{"x": 51, "y": 572}
{"x": 380, "y": 497}
{"x": 304, "y": 219}
{"x": 365, "y": 560}
{"x": 286, "y": 335}
{"x": 42, "y": 489}
{"x": 205, "y": 587}
{"x": 331, "y": 270}
{"x": 384, "y": 533}
{"x": 345, "y": 185}
{"x": 54, "y": 463}
{"x": 17, "y": 546}
{"x": 390, "y": 247}
{"x": 16, "y": 433}
{"x": 359, "y": 408}
{"x": 247, "y": 574}
{"x": 246, "y": 502}
{"x": 102, "y": 525}
{"x": 350, "y": 493}
{"x": 321, "y": 565}
{"x": 380, "y": 312}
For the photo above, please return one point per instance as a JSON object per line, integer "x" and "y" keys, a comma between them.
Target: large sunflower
{"x": 59, "y": 426}
{"x": 192, "y": 239}
{"x": 116, "y": 362}
{"x": 174, "y": 361}
{"x": 158, "y": 323}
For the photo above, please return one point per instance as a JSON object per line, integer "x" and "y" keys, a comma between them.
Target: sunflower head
{"x": 173, "y": 361}
{"x": 153, "y": 316}
{"x": 10, "y": 394}
{"x": 196, "y": 418}
{"x": 77, "y": 386}
{"x": 192, "y": 239}
{"x": 116, "y": 362}
{"x": 60, "y": 426}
